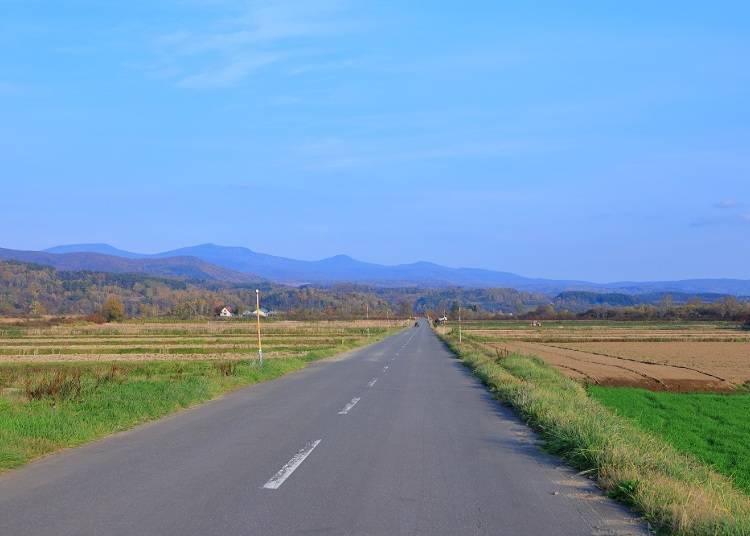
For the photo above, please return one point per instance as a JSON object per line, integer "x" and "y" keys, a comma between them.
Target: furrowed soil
{"x": 728, "y": 360}
{"x": 659, "y": 357}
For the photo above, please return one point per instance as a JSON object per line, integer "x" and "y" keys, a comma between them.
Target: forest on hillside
{"x": 33, "y": 290}
{"x": 29, "y": 289}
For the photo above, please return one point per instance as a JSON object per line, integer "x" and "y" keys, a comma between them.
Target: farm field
{"x": 678, "y": 458}
{"x": 660, "y": 357}
{"x": 62, "y": 386}
{"x": 712, "y": 427}
{"x": 150, "y": 341}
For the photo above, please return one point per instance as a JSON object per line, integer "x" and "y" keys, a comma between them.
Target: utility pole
{"x": 459, "y": 325}
{"x": 257, "y": 318}
{"x": 367, "y": 316}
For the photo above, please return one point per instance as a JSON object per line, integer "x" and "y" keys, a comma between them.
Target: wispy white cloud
{"x": 730, "y": 213}
{"x": 726, "y": 204}
{"x": 325, "y": 66}
{"x": 337, "y": 153}
{"x": 729, "y": 219}
{"x": 229, "y": 74}
{"x": 223, "y": 51}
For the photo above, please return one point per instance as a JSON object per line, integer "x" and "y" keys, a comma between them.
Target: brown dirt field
{"x": 618, "y": 371}
{"x": 701, "y": 356}
{"x": 728, "y": 360}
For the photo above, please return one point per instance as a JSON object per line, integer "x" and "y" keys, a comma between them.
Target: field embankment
{"x": 50, "y": 401}
{"x": 675, "y": 491}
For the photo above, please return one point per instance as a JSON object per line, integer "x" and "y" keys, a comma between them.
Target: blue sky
{"x": 592, "y": 140}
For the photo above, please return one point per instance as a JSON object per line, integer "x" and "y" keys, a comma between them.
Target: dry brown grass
{"x": 187, "y": 341}
{"x": 60, "y": 384}
{"x": 208, "y": 327}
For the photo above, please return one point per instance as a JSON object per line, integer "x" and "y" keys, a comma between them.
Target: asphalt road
{"x": 397, "y": 438}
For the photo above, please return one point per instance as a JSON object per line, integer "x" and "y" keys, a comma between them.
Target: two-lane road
{"x": 397, "y": 438}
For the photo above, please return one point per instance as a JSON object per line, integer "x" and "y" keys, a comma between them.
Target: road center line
{"x": 372, "y": 382}
{"x": 349, "y": 406}
{"x": 385, "y": 368}
{"x": 290, "y": 466}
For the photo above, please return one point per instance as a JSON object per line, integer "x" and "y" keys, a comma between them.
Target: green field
{"x": 713, "y": 427}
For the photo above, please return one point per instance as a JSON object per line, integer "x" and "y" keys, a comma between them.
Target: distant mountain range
{"x": 179, "y": 267}
{"x": 242, "y": 265}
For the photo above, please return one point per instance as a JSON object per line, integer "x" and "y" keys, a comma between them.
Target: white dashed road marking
{"x": 290, "y": 466}
{"x": 349, "y": 406}
{"x": 372, "y": 382}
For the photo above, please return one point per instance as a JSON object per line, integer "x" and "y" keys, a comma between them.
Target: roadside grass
{"x": 715, "y": 428}
{"x": 46, "y": 407}
{"x": 674, "y": 491}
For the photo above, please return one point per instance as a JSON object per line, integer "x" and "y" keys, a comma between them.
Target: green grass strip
{"x": 674, "y": 491}
{"x": 715, "y": 428}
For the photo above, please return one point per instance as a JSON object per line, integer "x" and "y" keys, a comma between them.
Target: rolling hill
{"x": 104, "y": 249}
{"x": 343, "y": 268}
{"x": 233, "y": 264}
{"x": 180, "y": 267}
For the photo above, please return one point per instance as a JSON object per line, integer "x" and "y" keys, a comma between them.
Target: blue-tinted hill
{"x": 344, "y": 269}
{"x": 104, "y": 249}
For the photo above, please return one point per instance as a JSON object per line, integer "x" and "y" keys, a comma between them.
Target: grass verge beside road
{"x": 715, "y": 428}
{"x": 674, "y": 491}
{"x": 46, "y": 407}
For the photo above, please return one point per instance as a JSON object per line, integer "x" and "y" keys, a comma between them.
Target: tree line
{"x": 33, "y": 290}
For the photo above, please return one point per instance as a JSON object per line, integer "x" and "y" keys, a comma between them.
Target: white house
{"x": 225, "y": 312}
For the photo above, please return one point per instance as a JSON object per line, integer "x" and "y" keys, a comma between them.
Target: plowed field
{"x": 662, "y": 358}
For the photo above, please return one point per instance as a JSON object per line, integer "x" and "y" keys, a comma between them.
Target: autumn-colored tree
{"x": 37, "y": 308}
{"x": 405, "y": 309}
{"x": 113, "y": 309}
